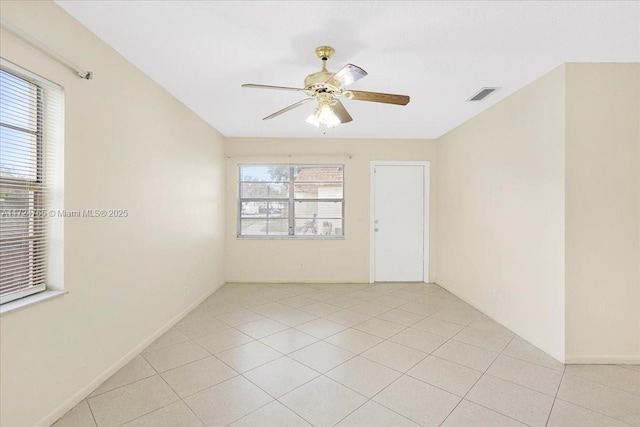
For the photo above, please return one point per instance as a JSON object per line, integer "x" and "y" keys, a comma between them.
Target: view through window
{"x": 291, "y": 201}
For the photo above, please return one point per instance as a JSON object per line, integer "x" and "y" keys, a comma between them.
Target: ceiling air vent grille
{"x": 483, "y": 93}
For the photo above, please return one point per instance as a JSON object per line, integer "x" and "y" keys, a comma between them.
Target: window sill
{"x": 30, "y": 300}
{"x": 299, "y": 237}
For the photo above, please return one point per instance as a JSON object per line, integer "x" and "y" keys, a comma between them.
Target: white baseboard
{"x": 301, "y": 282}
{"x": 602, "y": 360}
{"x": 89, "y": 388}
{"x": 315, "y": 282}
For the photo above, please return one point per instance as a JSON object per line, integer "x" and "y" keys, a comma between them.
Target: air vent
{"x": 483, "y": 93}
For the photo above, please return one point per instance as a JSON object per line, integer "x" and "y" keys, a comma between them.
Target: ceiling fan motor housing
{"x": 317, "y": 82}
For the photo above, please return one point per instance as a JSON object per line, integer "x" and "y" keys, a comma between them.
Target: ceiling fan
{"x": 326, "y": 87}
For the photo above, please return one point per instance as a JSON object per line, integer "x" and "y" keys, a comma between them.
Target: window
{"x": 304, "y": 201}
{"x": 30, "y": 135}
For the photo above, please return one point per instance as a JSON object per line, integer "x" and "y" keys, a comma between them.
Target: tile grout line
{"x": 594, "y": 411}
{"x": 122, "y": 386}
{"x": 474, "y": 384}
{"x": 555, "y": 397}
{"x": 189, "y": 363}
{"x": 180, "y": 399}
{"x": 519, "y": 385}
{"x": 238, "y": 374}
{"x": 591, "y": 409}
{"x": 603, "y": 384}
{"x": 532, "y": 362}
{"x": 91, "y": 412}
{"x": 600, "y": 383}
{"x": 192, "y": 361}
{"x": 159, "y": 374}
{"x": 92, "y": 395}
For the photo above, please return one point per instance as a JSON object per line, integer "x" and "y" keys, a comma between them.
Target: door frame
{"x": 426, "y": 213}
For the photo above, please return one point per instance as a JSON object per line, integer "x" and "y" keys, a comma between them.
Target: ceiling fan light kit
{"x": 325, "y": 87}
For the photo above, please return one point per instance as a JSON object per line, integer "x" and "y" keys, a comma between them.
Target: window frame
{"x": 44, "y": 251}
{"x": 291, "y": 201}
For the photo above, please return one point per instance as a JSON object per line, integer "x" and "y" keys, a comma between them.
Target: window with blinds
{"x": 30, "y": 132}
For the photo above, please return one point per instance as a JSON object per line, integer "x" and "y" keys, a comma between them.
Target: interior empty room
{"x": 319, "y": 213}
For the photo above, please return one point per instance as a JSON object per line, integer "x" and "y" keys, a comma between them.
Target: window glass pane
{"x": 318, "y": 190}
{"x": 264, "y": 226}
{"x": 262, "y": 190}
{"x": 318, "y": 227}
{"x": 253, "y": 227}
{"x": 19, "y": 154}
{"x": 264, "y": 219}
{"x": 318, "y": 173}
{"x": 277, "y": 227}
{"x": 264, "y": 209}
{"x": 18, "y": 102}
{"x": 309, "y": 210}
{"x": 278, "y": 210}
{"x": 264, "y": 173}
{"x": 253, "y": 209}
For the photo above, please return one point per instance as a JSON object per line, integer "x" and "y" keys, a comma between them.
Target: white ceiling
{"x": 439, "y": 53}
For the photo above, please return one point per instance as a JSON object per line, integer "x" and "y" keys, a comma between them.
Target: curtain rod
{"x": 349, "y": 155}
{"x": 8, "y": 26}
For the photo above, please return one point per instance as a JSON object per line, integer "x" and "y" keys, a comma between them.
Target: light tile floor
{"x": 383, "y": 355}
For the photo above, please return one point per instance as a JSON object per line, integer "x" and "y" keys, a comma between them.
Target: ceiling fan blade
{"x": 348, "y": 74}
{"x": 386, "y": 98}
{"x": 341, "y": 112}
{"x": 290, "y": 107}
{"x": 251, "y": 85}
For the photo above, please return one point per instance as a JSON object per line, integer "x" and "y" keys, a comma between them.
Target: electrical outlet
{"x": 186, "y": 291}
{"x": 301, "y": 266}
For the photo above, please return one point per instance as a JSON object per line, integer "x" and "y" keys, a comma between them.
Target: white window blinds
{"x": 31, "y": 120}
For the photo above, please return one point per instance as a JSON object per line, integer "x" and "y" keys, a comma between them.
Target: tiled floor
{"x": 387, "y": 355}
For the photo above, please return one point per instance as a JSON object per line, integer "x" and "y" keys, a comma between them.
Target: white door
{"x": 398, "y": 223}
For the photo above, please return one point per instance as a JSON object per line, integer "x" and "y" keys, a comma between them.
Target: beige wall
{"x": 603, "y": 213}
{"x": 500, "y": 212}
{"x": 254, "y": 260}
{"x": 129, "y": 145}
